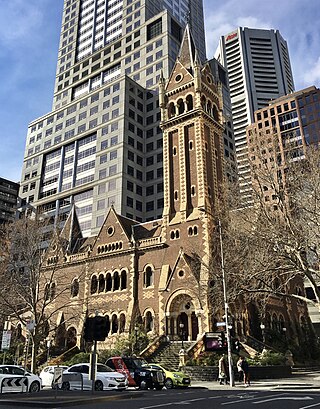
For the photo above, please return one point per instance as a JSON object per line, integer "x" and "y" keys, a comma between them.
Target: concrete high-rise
{"x": 101, "y": 144}
{"x": 259, "y": 70}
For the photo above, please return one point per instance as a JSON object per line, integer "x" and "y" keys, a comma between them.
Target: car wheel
{"x": 34, "y": 387}
{"x": 65, "y": 386}
{"x": 98, "y": 386}
{"x": 168, "y": 383}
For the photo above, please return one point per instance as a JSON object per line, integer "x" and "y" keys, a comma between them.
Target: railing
{"x": 151, "y": 348}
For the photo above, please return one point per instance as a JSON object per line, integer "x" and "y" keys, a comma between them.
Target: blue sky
{"x": 29, "y": 36}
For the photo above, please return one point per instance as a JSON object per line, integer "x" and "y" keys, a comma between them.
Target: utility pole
{"x": 226, "y": 307}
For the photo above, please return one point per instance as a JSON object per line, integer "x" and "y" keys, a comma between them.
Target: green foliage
{"x": 78, "y": 358}
{"x": 268, "y": 358}
{"x": 209, "y": 359}
{"x": 7, "y": 358}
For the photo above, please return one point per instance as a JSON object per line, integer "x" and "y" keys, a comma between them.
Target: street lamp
{"x": 48, "y": 348}
{"x": 226, "y": 307}
{"x": 262, "y": 327}
{"x": 136, "y": 329}
{"x": 181, "y": 325}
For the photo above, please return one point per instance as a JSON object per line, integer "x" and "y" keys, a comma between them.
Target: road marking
{"x": 310, "y": 406}
{"x": 249, "y": 399}
{"x": 183, "y": 402}
{"x": 285, "y": 398}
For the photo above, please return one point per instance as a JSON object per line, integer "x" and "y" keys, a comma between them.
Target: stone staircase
{"x": 167, "y": 354}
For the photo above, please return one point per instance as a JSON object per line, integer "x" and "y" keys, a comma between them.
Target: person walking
{"x": 223, "y": 370}
{"x": 240, "y": 370}
{"x": 243, "y": 367}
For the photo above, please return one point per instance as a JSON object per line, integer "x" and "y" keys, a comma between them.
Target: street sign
{"x": 6, "y": 339}
{"x": 220, "y": 324}
{"x": 30, "y": 325}
{"x": 57, "y": 376}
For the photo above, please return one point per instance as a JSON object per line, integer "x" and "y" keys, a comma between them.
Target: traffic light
{"x": 100, "y": 328}
{"x": 95, "y": 329}
{"x": 88, "y": 329}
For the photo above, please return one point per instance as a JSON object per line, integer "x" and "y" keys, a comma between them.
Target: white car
{"x": 47, "y": 375}
{"x": 13, "y": 378}
{"x": 106, "y": 378}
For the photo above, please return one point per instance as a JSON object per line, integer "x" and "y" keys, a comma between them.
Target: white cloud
{"x": 311, "y": 75}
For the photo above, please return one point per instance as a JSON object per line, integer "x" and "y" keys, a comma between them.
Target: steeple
{"x": 71, "y": 231}
{"x": 187, "y": 53}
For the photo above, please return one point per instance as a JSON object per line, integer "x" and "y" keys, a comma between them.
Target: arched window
{"x": 189, "y": 100}
{"x": 148, "y": 277}
{"x": 114, "y": 324}
{"x": 149, "y": 321}
{"x": 215, "y": 113}
{"x": 180, "y": 106}
{"x": 175, "y": 195}
{"x": 52, "y": 291}
{"x": 108, "y": 282}
{"x": 193, "y": 190}
{"x": 123, "y": 280}
{"x": 203, "y": 103}
{"x": 102, "y": 283}
{"x": 116, "y": 281}
{"x": 108, "y": 324}
{"x": 209, "y": 108}
{"x": 171, "y": 110}
{"x": 195, "y": 230}
{"x": 75, "y": 287}
{"x": 122, "y": 323}
{"x": 94, "y": 284}
{"x": 190, "y": 231}
{"x": 71, "y": 337}
{"x": 46, "y": 292}
{"x": 274, "y": 322}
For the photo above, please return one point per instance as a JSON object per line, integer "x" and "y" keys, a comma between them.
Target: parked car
{"x": 15, "y": 371}
{"x": 138, "y": 375}
{"x": 47, "y": 375}
{"x": 106, "y": 378}
{"x": 173, "y": 378}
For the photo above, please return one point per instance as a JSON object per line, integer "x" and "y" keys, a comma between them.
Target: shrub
{"x": 268, "y": 358}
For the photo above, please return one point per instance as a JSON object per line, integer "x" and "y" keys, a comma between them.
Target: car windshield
{"x": 135, "y": 362}
{"x": 104, "y": 368}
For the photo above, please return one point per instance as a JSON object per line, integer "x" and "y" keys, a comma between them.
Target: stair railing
{"x": 151, "y": 348}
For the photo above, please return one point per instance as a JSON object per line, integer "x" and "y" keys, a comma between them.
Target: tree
{"x": 29, "y": 275}
{"x": 272, "y": 246}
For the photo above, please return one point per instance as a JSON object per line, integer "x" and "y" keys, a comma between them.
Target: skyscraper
{"x": 259, "y": 70}
{"x": 101, "y": 144}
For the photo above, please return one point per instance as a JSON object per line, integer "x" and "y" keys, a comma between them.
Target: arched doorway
{"x": 182, "y": 321}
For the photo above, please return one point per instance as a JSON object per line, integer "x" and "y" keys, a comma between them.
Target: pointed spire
{"x": 187, "y": 51}
{"x": 71, "y": 231}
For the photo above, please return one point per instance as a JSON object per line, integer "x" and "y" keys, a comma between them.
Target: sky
{"x": 29, "y": 38}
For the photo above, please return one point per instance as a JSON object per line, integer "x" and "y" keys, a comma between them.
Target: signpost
{"x": 6, "y": 339}
{"x": 5, "y": 343}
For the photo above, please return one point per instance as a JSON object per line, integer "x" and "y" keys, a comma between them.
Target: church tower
{"x": 191, "y": 109}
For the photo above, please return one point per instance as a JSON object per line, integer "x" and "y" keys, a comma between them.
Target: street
{"x": 201, "y": 398}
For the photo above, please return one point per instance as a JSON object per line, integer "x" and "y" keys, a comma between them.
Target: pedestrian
{"x": 245, "y": 370}
{"x": 223, "y": 370}
{"x": 240, "y": 370}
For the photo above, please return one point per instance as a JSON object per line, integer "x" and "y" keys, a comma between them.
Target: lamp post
{"x": 136, "y": 329}
{"x": 226, "y": 307}
{"x": 284, "y": 330}
{"x": 262, "y": 327}
{"x": 181, "y": 325}
{"x": 48, "y": 348}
